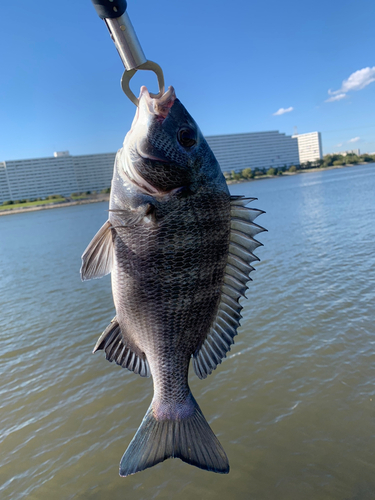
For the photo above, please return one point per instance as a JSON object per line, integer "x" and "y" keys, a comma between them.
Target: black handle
{"x": 109, "y": 9}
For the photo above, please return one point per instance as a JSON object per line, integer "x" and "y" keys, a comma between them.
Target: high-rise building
{"x": 254, "y": 150}
{"x": 309, "y": 146}
{"x": 65, "y": 174}
{"x": 349, "y": 152}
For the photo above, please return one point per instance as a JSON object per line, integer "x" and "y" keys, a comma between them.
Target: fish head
{"x": 165, "y": 150}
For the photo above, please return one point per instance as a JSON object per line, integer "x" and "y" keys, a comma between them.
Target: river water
{"x": 293, "y": 404}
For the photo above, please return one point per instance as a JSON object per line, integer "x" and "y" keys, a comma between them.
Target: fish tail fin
{"x": 180, "y": 432}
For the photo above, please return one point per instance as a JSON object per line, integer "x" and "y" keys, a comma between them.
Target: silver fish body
{"x": 179, "y": 248}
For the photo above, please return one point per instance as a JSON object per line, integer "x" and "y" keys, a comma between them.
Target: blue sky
{"x": 234, "y": 66}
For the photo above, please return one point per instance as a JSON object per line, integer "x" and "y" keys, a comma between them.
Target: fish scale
{"x": 179, "y": 282}
{"x": 179, "y": 249}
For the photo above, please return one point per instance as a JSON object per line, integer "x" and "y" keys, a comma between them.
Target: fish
{"x": 179, "y": 249}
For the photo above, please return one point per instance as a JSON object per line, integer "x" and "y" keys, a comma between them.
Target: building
{"x": 56, "y": 154}
{"x": 61, "y": 174}
{"x": 254, "y": 150}
{"x": 350, "y": 152}
{"x": 65, "y": 174}
{"x": 94, "y": 172}
{"x": 309, "y": 147}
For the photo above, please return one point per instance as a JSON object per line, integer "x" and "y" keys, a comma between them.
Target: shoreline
{"x": 105, "y": 197}
{"x": 305, "y": 171}
{"x": 48, "y": 206}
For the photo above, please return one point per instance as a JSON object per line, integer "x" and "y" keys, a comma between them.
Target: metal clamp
{"x": 128, "y": 75}
{"x": 114, "y": 14}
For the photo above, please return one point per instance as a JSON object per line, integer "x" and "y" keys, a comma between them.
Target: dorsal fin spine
{"x": 240, "y": 263}
{"x": 236, "y": 276}
{"x": 237, "y": 271}
{"x": 229, "y": 300}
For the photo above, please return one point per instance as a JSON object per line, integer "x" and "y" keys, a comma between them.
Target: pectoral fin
{"x": 97, "y": 259}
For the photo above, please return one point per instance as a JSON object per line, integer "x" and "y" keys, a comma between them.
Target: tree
{"x": 236, "y": 176}
{"x": 367, "y": 158}
{"x": 351, "y": 159}
{"x": 247, "y": 173}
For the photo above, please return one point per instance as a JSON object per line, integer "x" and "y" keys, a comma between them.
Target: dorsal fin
{"x": 224, "y": 326}
{"x": 117, "y": 349}
{"x": 97, "y": 259}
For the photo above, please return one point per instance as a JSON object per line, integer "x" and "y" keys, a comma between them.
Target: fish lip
{"x": 158, "y": 106}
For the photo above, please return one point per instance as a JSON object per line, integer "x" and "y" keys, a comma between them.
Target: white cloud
{"x": 359, "y": 80}
{"x": 338, "y": 145}
{"x": 337, "y": 97}
{"x": 355, "y": 139}
{"x": 281, "y": 111}
{"x": 356, "y": 81}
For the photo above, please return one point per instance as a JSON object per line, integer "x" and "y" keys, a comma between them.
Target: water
{"x": 293, "y": 405}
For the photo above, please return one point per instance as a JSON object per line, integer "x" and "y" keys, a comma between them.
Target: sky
{"x": 239, "y": 66}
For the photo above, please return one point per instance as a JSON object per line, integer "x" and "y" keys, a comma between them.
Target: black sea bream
{"x": 179, "y": 248}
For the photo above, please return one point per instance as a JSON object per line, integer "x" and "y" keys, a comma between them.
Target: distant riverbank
{"x": 69, "y": 203}
{"x": 96, "y": 198}
{"x": 301, "y": 171}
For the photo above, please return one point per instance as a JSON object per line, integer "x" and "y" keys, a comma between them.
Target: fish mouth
{"x": 157, "y": 106}
{"x": 150, "y": 108}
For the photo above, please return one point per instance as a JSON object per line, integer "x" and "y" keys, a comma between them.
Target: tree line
{"x": 56, "y": 198}
{"x": 330, "y": 160}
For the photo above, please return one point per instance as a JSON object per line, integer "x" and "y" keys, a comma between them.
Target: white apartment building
{"x": 65, "y": 174}
{"x": 61, "y": 174}
{"x": 309, "y": 146}
{"x": 94, "y": 172}
{"x": 349, "y": 152}
{"x": 254, "y": 150}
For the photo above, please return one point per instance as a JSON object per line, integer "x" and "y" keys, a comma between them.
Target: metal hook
{"x": 147, "y": 66}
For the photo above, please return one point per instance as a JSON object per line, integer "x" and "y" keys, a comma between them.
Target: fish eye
{"x": 186, "y": 137}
